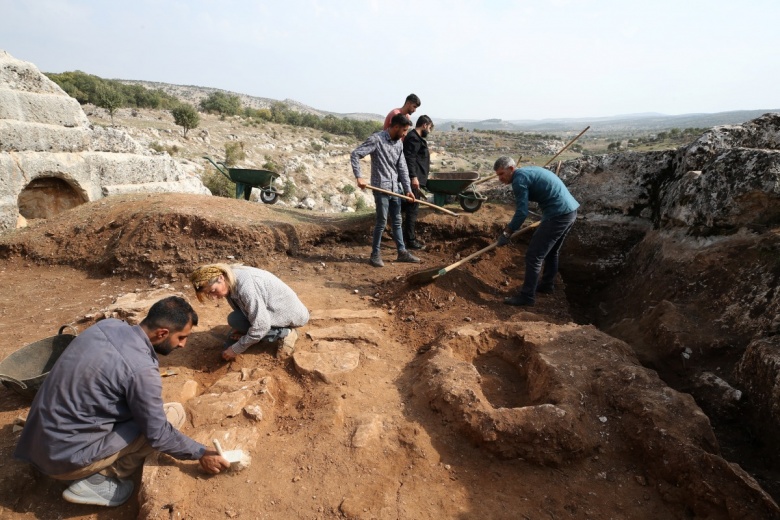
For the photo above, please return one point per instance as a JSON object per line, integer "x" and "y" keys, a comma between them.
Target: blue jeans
{"x": 545, "y": 248}
{"x": 387, "y": 206}
{"x": 239, "y": 322}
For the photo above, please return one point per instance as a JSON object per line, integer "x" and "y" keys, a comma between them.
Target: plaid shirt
{"x": 388, "y": 166}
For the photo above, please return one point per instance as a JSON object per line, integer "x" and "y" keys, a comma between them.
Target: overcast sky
{"x": 506, "y": 59}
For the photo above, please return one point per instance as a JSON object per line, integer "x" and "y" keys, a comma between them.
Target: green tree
{"x": 186, "y": 117}
{"x": 221, "y": 103}
{"x": 110, "y": 98}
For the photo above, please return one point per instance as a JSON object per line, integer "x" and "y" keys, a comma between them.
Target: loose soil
{"x": 70, "y": 268}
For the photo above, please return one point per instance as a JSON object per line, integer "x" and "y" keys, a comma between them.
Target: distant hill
{"x": 623, "y": 125}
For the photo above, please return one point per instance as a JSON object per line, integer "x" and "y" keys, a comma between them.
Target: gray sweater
{"x": 267, "y": 302}
{"x": 103, "y": 392}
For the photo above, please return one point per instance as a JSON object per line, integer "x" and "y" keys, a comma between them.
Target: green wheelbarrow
{"x": 247, "y": 179}
{"x": 460, "y": 184}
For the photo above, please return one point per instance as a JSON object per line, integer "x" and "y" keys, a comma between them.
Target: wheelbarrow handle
{"x": 216, "y": 165}
{"x": 10, "y": 379}
{"x": 68, "y": 326}
{"x": 423, "y": 202}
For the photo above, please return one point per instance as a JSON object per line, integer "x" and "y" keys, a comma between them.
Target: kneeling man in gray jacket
{"x": 99, "y": 412}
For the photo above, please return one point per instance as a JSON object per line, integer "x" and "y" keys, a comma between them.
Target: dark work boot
{"x": 406, "y": 256}
{"x": 519, "y": 300}
{"x": 415, "y": 244}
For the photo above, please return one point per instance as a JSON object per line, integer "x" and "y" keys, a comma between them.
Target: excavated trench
{"x": 668, "y": 312}
{"x": 599, "y": 297}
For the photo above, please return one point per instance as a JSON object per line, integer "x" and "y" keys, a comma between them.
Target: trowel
{"x": 238, "y": 459}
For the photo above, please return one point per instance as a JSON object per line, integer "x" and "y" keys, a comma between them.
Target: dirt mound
{"x": 166, "y": 235}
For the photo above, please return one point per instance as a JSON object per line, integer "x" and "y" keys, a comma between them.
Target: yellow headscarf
{"x": 204, "y": 276}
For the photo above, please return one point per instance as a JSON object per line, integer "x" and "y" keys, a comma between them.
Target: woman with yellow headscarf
{"x": 264, "y": 307}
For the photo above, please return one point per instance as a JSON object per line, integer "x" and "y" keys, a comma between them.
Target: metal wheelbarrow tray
{"x": 24, "y": 370}
{"x": 460, "y": 184}
{"x": 246, "y": 179}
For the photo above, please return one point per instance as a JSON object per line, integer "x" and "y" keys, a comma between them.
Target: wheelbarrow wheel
{"x": 269, "y": 196}
{"x": 470, "y": 205}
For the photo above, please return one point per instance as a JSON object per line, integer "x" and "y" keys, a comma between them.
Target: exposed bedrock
{"x": 678, "y": 254}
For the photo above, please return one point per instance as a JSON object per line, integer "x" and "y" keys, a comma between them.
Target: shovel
{"x": 423, "y": 202}
{"x": 430, "y": 275}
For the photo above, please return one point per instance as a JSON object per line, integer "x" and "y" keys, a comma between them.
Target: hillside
{"x": 193, "y": 95}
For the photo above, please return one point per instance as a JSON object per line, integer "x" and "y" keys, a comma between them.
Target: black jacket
{"x": 418, "y": 158}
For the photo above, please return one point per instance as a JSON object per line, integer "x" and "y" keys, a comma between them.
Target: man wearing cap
{"x": 559, "y": 211}
{"x": 99, "y": 412}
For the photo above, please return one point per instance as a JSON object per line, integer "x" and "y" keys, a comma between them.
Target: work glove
{"x": 503, "y": 238}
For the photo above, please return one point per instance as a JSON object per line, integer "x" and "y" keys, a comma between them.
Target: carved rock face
{"x": 51, "y": 159}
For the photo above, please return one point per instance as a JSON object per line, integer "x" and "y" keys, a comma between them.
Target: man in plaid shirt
{"x": 389, "y": 172}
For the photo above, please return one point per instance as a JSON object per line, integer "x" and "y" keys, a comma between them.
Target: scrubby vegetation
{"x": 282, "y": 114}
{"x": 112, "y": 94}
{"x": 221, "y": 103}
{"x": 87, "y": 88}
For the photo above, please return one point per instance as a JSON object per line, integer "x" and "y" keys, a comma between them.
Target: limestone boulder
{"x": 327, "y": 361}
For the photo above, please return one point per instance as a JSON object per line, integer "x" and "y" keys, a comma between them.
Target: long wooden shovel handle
{"x": 423, "y": 202}
{"x": 486, "y": 249}
{"x": 567, "y": 145}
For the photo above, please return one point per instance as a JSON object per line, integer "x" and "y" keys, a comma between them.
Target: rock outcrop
{"x": 696, "y": 273}
{"x": 52, "y": 159}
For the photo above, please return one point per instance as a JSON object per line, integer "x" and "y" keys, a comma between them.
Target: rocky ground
{"x": 401, "y": 401}
{"x": 314, "y": 165}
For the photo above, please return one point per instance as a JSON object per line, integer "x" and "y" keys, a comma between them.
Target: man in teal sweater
{"x": 559, "y": 211}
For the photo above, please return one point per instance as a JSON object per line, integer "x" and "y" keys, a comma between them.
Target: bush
{"x": 289, "y": 189}
{"x": 348, "y": 189}
{"x": 221, "y": 103}
{"x": 234, "y": 153}
{"x": 157, "y": 147}
{"x": 269, "y": 164}
{"x": 360, "y": 204}
{"x": 219, "y": 185}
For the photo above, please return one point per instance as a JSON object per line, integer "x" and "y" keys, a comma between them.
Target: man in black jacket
{"x": 418, "y": 161}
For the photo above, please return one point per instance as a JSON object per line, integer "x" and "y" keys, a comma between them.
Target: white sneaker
{"x": 101, "y": 491}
